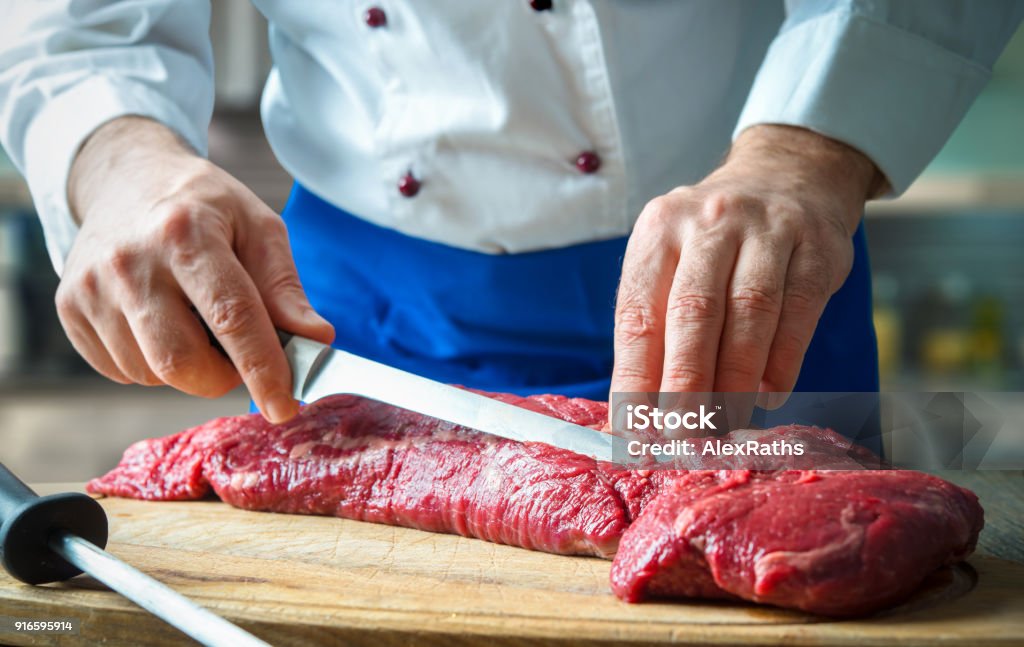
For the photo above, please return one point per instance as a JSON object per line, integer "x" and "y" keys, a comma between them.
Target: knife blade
{"x": 319, "y": 370}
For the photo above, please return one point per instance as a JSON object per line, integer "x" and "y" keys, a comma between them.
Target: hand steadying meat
{"x": 162, "y": 228}
{"x": 723, "y": 282}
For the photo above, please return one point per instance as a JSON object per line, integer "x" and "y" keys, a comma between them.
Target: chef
{"x": 563, "y": 196}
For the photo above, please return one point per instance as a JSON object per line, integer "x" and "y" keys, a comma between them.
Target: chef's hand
{"x": 723, "y": 282}
{"x": 163, "y": 229}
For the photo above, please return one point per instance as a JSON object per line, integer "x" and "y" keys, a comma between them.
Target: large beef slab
{"x": 831, "y": 542}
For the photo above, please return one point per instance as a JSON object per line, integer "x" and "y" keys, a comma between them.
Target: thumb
{"x": 267, "y": 256}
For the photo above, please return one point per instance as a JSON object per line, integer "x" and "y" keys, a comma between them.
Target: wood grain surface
{"x": 1002, "y": 496}
{"x": 295, "y": 580}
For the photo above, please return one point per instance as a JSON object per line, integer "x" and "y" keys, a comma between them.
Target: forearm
{"x": 119, "y": 157}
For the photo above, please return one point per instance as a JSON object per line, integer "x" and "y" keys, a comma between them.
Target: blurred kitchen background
{"x": 948, "y": 261}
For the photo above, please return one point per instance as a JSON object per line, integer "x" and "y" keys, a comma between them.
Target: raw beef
{"x": 835, "y": 542}
{"x": 360, "y": 459}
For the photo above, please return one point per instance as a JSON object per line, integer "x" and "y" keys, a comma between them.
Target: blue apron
{"x": 538, "y": 322}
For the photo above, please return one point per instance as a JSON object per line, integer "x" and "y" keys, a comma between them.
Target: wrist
{"x": 120, "y": 156}
{"x": 832, "y": 160}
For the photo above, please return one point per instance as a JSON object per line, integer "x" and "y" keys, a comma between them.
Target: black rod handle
{"x": 13, "y": 493}
{"x": 27, "y": 521}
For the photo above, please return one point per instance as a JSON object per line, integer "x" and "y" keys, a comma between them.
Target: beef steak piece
{"x": 837, "y": 543}
{"x": 832, "y": 542}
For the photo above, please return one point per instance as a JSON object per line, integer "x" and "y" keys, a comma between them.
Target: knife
{"x": 319, "y": 370}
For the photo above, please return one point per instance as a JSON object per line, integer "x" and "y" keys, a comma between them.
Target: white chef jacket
{"x": 489, "y": 104}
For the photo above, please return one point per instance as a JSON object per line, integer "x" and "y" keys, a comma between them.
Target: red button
{"x": 588, "y": 162}
{"x": 375, "y": 17}
{"x": 540, "y": 5}
{"x": 409, "y": 185}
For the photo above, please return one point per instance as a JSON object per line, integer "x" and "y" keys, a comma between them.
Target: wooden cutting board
{"x": 295, "y": 580}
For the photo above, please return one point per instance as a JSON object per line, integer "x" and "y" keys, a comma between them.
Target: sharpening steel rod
{"x": 53, "y": 538}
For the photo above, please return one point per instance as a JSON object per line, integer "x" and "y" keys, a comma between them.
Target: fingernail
{"x": 763, "y": 400}
{"x": 769, "y": 397}
{"x": 766, "y": 396}
{"x": 281, "y": 408}
{"x": 777, "y": 399}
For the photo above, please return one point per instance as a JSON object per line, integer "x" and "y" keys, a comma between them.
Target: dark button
{"x": 540, "y": 5}
{"x": 375, "y": 17}
{"x": 409, "y": 185}
{"x": 588, "y": 162}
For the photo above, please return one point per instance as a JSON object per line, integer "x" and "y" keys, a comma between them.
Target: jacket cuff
{"x": 55, "y": 135}
{"x": 891, "y": 94}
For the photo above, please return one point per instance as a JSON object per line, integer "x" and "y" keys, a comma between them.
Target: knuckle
{"x": 629, "y": 372}
{"x": 112, "y": 374}
{"x": 233, "y": 315}
{"x": 635, "y": 321}
{"x": 683, "y": 377}
{"x": 133, "y": 373}
{"x": 802, "y": 301}
{"x": 283, "y": 281}
{"x": 258, "y": 371}
{"x": 125, "y": 267}
{"x": 122, "y": 262}
{"x": 658, "y": 206}
{"x": 737, "y": 368}
{"x": 268, "y": 240}
{"x": 173, "y": 366}
{"x": 275, "y": 226}
{"x": 150, "y": 379}
{"x": 693, "y": 307}
{"x": 87, "y": 284}
{"x": 181, "y": 228}
{"x": 657, "y": 214}
{"x": 808, "y": 293}
{"x": 65, "y": 301}
{"x": 757, "y": 299}
{"x": 75, "y": 291}
{"x": 720, "y": 204}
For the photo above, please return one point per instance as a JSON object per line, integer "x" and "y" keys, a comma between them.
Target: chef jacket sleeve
{"x": 69, "y": 66}
{"x": 892, "y": 78}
